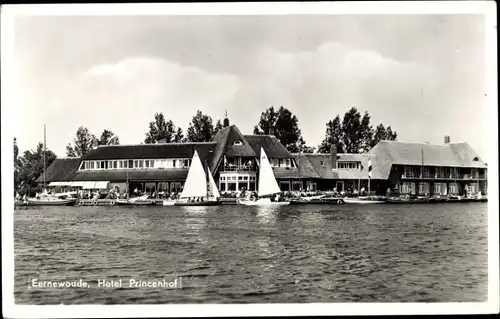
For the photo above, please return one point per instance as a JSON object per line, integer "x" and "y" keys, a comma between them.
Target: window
{"x": 86, "y": 165}
{"x": 174, "y": 162}
{"x": 322, "y": 164}
{"x": 237, "y": 142}
{"x": 151, "y": 163}
{"x": 186, "y": 163}
{"x": 437, "y": 188}
{"x": 275, "y": 162}
{"x": 110, "y": 164}
{"x": 252, "y": 178}
{"x": 240, "y": 178}
{"x": 115, "y": 164}
{"x": 92, "y": 165}
{"x": 245, "y": 178}
{"x": 287, "y": 162}
{"x": 147, "y": 163}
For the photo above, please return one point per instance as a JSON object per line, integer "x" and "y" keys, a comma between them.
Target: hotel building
{"x": 232, "y": 158}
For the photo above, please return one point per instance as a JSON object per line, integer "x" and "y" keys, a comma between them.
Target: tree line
{"x": 353, "y": 134}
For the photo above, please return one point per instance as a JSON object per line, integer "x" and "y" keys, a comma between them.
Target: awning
{"x": 88, "y": 185}
{"x": 76, "y": 184}
{"x": 56, "y": 184}
{"x": 101, "y": 185}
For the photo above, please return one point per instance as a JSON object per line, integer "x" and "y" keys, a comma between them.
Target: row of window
{"x": 349, "y": 165}
{"x": 425, "y": 188}
{"x": 135, "y": 164}
{"x": 237, "y": 178}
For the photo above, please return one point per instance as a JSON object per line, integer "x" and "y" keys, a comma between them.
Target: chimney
{"x": 271, "y": 130}
{"x": 226, "y": 122}
{"x": 446, "y": 139}
{"x": 333, "y": 156}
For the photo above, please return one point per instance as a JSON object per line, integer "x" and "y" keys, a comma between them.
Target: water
{"x": 236, "y": 254}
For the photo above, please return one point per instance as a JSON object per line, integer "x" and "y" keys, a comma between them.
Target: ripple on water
{"x": 232, "y": 254}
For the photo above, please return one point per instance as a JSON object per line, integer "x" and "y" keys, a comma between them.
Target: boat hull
{"x": 320, "y": 201}
{"x": 61, "y": 202}
{"x": 261, "y": 202}
{"x": 362, "y": 201}
{"x": 206, "y": 203}
{"x": 135, "y": 203}
{"x": 168, "y": 203}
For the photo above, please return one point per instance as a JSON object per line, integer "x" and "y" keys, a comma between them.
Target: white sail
{"x": 196, "y": 181}
{"x": 267, "y": 182}
{"x": 214, "y": 192}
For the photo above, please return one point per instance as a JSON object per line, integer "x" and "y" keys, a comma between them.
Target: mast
{"x": 44, "y": 160}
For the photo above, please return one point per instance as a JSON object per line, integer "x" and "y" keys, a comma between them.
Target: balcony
{"x": 238, "y": 168}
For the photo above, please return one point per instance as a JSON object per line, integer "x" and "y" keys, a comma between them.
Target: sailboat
{"x": 46, "y": 199}
{"x": 195, "y": 191}
{"x": 268, "y": 185}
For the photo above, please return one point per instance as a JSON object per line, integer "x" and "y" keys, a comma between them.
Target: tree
{"x": 382, "y": 133}
{"x": 308, "y": 149}
{"x": 201, "y": 128}
{"x": 179, "y": 136}
{"x": 333, "y": 136}
{"x": 366, "y": 134}
{"x": 351, "y": 127}
{"x": 82, "y": 143}
{"x": 285, "y": 125}
{"x": 355, "y": 134}
{"x": 16, "y": 165}
{"x": 160, "y": 130}
{"x": 108, "y": 138}
{"x": 218, "y": 127}
{"x": 31, "y": 167}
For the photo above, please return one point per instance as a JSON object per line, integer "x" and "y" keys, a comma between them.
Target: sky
{"x": 424, "y": 75}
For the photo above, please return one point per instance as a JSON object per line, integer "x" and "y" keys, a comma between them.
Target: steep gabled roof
{"x": 221, "y": 140}
{"x": 152, "y": 151}
{"x": 243, "y": 150}
{"x": 271, "y": 145}
{"x": 306, "y": 169}
{"x": 61, "y": 170}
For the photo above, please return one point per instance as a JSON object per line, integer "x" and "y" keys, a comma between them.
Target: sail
{"x": 213, "y": 191}
{"x": 267, "y": 181}
{"x": 196, "y": 181}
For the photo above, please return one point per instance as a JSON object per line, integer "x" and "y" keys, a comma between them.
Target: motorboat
{"x": 136, "y": 201}
{"x": 363, "y": 200}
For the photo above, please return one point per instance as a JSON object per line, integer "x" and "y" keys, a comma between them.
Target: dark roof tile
{"x": 61, "y": 170}
{"x": 271, "y": 145}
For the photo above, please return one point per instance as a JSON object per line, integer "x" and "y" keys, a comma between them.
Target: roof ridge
{"x": 160, "y": 144}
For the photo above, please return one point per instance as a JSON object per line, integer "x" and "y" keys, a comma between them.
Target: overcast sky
{"x": 422, "y": 74}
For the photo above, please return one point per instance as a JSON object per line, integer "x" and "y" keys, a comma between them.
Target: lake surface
{"x": 237, "y": 254}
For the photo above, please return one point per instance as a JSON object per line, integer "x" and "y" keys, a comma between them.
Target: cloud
{"x": 317, "y": 85}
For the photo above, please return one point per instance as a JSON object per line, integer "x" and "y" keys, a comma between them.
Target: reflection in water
{"x": 234, "y": 254}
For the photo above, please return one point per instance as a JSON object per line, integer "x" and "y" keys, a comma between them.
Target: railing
{"x": 238, "y": 168}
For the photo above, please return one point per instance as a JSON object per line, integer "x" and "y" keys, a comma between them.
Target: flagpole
{"x": 44, "y": 155}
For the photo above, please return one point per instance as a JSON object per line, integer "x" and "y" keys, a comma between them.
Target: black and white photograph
{"x": 229, "y": 159}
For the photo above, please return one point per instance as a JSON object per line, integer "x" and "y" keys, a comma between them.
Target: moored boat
{"x": 268, "y": 186}
{"x": 136, "y": 201}
{"x": 195, "y": 191}
{"x": 363, "y": 200}
{"x": 51, "y": 201}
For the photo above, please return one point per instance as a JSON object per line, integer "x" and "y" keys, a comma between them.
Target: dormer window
{"x": 322, "y": 163}
{"x": 475, "y": 159}
{"x": 237, "y": 142}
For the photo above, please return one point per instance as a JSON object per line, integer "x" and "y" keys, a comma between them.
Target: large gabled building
{"x": 232, "y": 158}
